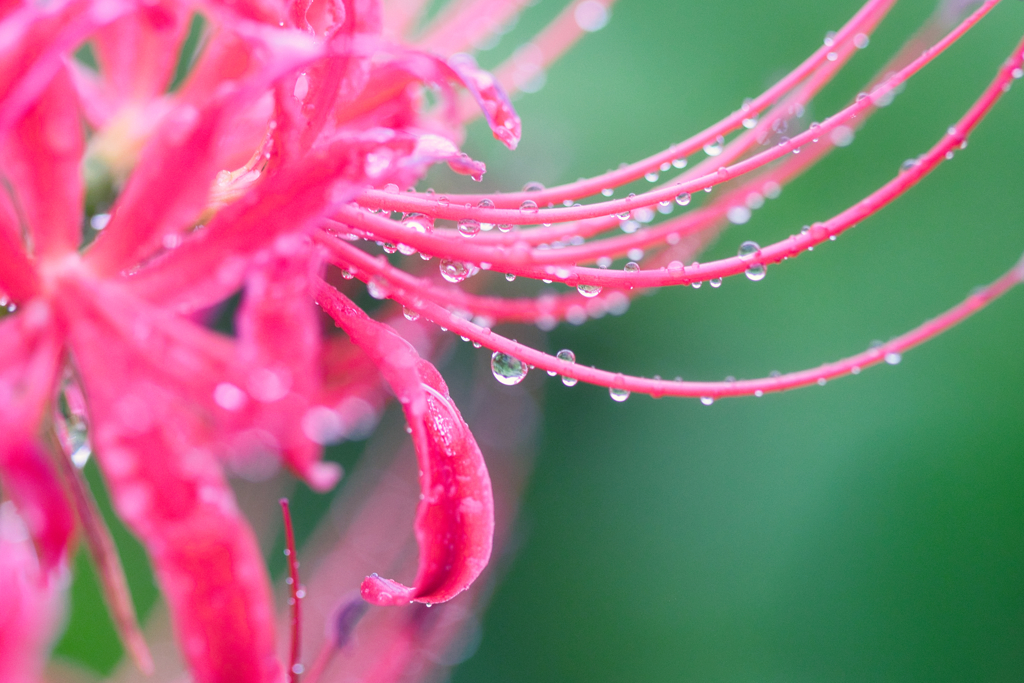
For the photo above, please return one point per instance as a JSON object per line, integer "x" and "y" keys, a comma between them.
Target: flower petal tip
{"x": 377, "y": 590}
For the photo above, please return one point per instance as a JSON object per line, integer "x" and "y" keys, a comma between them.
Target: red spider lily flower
{"x": 287, "y": 147}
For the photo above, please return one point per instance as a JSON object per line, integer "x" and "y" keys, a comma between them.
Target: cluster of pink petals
{"x": 271, "y": 172}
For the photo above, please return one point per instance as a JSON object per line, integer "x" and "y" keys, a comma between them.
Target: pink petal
{"x": 137, "y": 54}
{"x": 455, "y": 518}
{"x": 29, "y": 351}
{"x": 41, "y": 36}
{"x": 157, "y": 455}
{"x": 279, "y": 337}
{"x": 30, "y": 604}
{"x": 484, "y": 87}
{"x": 42, "y": 162}
{"x": 18, "y": 279}
{"x": 212, "y": 263}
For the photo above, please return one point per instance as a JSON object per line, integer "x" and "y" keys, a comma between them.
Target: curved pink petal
{"x": 455, "y": 518}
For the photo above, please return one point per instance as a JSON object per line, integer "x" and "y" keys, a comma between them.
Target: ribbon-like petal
{"x": 455, "y": 518}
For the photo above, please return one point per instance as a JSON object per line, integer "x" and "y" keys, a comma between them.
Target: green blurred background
{"x": 869, "y": 530}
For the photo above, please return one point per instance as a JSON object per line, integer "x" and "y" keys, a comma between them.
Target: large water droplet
{"x": 453, "y": 271}
{"x": 507, "y": 369}
{"x": 893, "y": 358}
{"x": 588, "y": 291}
{"x": 756, "y": 272}
{"x": 707, "y": 400}
{"x": 410, "y": 314}
{"x": 418, "y": 222}
{"x": 618, "y": 395}
{"x": 631, "y": 267}
{"x": 683, "y": 198}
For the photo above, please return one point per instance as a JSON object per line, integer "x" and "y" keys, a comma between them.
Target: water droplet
{"x": 832, "y": 56}
{"x": 822, "y": 381}
{"x": 750, "y": 122}
{"x": 377, "y": 288}
{"x": 569, "y": 357}
{"x": 346, "y": 274}
{"x": 713, "y": 149}
{"x": 533, "y": 186}
{"x": 504, "y": 227}
{"x": 631, "y": 267}
{"x": 683, "y": 198}
{"x": 389, "y": 248}
{"x": 861, "y": 41}
{"x": 715, "y": 282}
{"x": 893, "y": 358}
{"x": 453, "y": 271}
{"x": 510, "y": 277}
{"x": 748, "y": 250}
{"x": 528, "y": 207}
{"x": 99, "y": 221}
{"x": 618, "y": 395}
{"x": 738, "y": 215}
{"x": 607, "y": 192}
{"x": 679, "y": 162}
{"x": 419, "y": 222}
{"x": 758, "y": 393}
{"x": 70, "y": 422}
{"x": 707, "y": 400}
{"x": 651, "y": 176}
{"x": 410, "y": 314}
{"x": 507, "y": 369}
{"x": 909, "y": 165}
{"x": 629, "y": 226}
{"x": 588, "y": 291}
{"x": 469, "y": 227}
{"x": 756, "y": 272}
